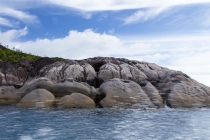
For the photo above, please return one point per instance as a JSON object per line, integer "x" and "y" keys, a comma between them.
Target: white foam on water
{"x": 43, "y": 133}
{"x": 26, "y": 138}
{"x": 165, "y": 106}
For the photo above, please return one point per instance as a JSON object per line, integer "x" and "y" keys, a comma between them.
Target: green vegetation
{"x": 15, "y": 55}
{"x": 58, "y": 59}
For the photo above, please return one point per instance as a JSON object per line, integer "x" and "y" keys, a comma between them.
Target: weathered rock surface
{"x": 8, "y": 95}
{"x": 76, "y": 100}
{"x": 124, "y": 94}
{"x": 70, "y": 69}
{"x": 39, "y": 98}
{"x": 38, "y": 65}
{"x": 69, "y": 86}
{"x": 40, "y": 83}
{"x": 158, "y": 84}
{"x": 183, "y": 91}
{"x": 12, "y": 74}
{"x": 153, "y": 94}
{"x": 60, "y": 89}
{"x": 109, "y": 71}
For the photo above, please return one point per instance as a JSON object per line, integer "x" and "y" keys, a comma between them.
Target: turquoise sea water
{"x": 52, "y": 124}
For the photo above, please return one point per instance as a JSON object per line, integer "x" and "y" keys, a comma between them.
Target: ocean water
{"x": 107, "y": 124}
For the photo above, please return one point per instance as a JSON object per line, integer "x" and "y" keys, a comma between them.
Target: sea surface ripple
{"x": 116, "y": 124}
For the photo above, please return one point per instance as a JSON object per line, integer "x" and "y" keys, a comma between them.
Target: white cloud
{"x": 11, "y": 35}
{"x": 103, "y": 16}
{"x": 111, "y": 31}
{"x": 20, "y": 15}
{"x": 101, "y": 5}
{"x": 87, "y": 7}
{"x": 5, "y": 22}
{"x": 142, "y": 16}
{"x": 22, "y": 4}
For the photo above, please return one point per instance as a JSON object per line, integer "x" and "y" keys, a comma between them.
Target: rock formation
{"x": 125, "y": 94}
{"x": 76, "y": 100}
{"x": 39, "y": 98}
{"x": 110, "y": 82}
{"x": 9, "y": 95}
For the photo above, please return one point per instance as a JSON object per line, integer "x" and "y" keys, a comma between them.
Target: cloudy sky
{"x": 173, "y": 34}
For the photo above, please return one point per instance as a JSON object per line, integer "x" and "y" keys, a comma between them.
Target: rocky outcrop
{"x": 122, "y": 71}
{"x": 69, "y": 86}
{"x": 38, "y": 65}
{"x": 17, "y": 73}
{"x": 60, "y": 89}
{"x": 76, "y": 100}
{"x": 156, "y": 84}
{"x": 39, "y": 98}
{"x": 184, "y": 92}
{"x": 70, "y": 69}
{"x": 9, "y": 95}
{"x": 12, "y": 74}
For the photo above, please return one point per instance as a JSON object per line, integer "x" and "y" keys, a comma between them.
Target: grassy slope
{"x": 16, "y": 55}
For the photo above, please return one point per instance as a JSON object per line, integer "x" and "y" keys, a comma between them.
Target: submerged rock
{"x": 39, "y": 98}
{"x": 76, "y": 100}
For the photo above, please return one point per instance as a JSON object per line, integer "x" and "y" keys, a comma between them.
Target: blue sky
{"x": 172, "y": 34}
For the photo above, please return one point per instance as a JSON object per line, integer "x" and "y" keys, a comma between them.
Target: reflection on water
{"x": 50, "y": 124}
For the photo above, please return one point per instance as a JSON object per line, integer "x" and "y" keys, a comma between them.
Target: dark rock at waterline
{"x": 157, "y": 83}
{"x": 9, "y": 95}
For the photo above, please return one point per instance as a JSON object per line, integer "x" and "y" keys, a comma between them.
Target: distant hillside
{"x": 15, "y": 55}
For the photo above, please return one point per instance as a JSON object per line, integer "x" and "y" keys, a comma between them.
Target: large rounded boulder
{"x": 39, "y": 98}
{"x": 109, "y": 71}
{"x": 153, "y": 94}
{"x": 124, "y": 94}
{"x": 40, "y": 83}
{"x": 69, "y": 86}
{"x": 76, "y": 100}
